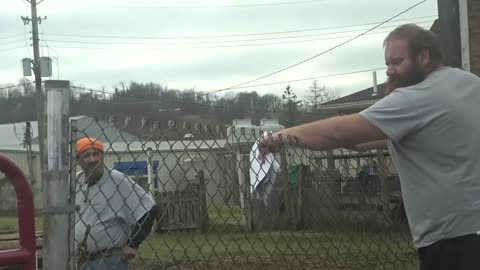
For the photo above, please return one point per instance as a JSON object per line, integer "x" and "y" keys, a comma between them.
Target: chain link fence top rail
{"x": 308, "y": 210}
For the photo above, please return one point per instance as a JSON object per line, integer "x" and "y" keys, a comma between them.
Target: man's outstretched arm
{"x": 363, "y": 147}
{"x": 335, "y": 132}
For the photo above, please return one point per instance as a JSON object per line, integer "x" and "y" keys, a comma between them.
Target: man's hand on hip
{"x": 128, "y": 253}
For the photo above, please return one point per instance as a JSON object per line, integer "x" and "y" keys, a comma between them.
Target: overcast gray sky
{"x": 209, "y": 44}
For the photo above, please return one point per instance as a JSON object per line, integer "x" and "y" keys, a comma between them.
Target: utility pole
{"x": 39, "y": 97}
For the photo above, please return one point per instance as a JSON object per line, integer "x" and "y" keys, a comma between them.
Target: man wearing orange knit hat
{"x": 115, "y": 214}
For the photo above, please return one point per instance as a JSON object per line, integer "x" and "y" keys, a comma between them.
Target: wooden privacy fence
{"x": 185, "y": 209}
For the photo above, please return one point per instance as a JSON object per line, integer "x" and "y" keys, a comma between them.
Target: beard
{"x": 93, "y": 172}
{"x": 414, "y": 75}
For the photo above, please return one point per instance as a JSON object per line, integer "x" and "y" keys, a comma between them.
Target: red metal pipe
{"x": 14, "y": 257}
{"x": 26, "y": 254}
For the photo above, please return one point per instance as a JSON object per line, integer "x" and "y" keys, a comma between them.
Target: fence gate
{"x": 180, "y": 210}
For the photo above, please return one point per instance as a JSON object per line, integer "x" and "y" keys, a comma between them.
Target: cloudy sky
{"x": 208, "y": 45}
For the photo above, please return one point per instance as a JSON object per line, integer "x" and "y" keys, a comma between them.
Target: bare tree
{"x": 317, "y": 95}
{"x": 28, "y": 87}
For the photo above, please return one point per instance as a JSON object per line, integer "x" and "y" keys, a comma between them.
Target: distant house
{"x": 12, "y": 135}
{"x": 101, "y": 130}
{"x": 355, "y": 102}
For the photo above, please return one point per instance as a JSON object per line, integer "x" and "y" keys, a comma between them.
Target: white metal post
{"x": 375, "y": 86}
{"x": 241, "y": 183}
{"x": 151, "y": 178}
{"x": 56, "y": 208}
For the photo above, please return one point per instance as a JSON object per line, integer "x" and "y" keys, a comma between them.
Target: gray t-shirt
{"x": 434, "y": 132}
{"x": 111, "y": 207}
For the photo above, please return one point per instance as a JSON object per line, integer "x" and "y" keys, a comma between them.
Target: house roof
{"x": 12, "y": 135}
{"x": 101, "y": 130}
{"x": 362, "y": 95}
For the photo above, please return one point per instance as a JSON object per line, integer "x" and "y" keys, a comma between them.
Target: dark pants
{"x": 459, "y": 253}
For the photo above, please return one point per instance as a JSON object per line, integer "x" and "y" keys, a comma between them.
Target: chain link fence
{"x": 218, "y": 210}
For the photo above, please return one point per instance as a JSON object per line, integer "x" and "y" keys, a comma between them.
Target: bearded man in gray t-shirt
{"x": 429, "y": 123}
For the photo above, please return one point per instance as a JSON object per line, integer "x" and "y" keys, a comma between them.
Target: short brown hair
{"x": 418, "y": 39}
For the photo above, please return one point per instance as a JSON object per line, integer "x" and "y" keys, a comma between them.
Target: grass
{"x": 11, "y": 223}
{"x": 193, "y": 245}
{"x": 225, "y": 215}
{"x": 222, "y": 215}
{"x": 340, "y": 250}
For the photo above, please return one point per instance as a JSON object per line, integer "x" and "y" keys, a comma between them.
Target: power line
{"x": 236, "y": 35}
{"x": 220, "y": 41}
{"x": 13, "y": 48}
{"x": 7, "y": 37}
{"x": 179, "y": 102}
{"x": 156, "y": 100}
{"x": 11, "y": 86}
{"x": 26, "y": 41}
{"x": 176, "y": 101}
{"x": 328, "y": 50}
{"x": 209, "y": 47}
{"x": 250, "y": 86}
{"x": 12, "y": 42}
{"x": 297, "y": 80}
{"x": 19, "y": 137}
{"x": 207, "y": 7}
